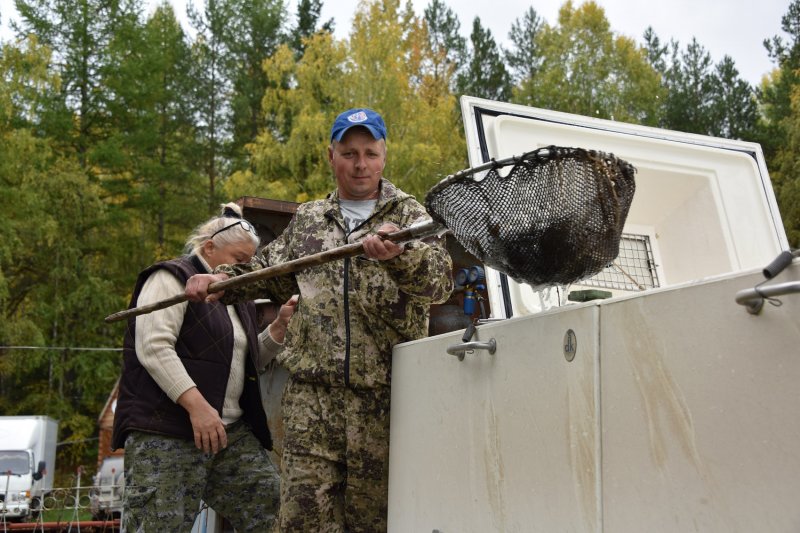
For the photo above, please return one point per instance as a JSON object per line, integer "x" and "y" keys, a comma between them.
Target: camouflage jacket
{"x": 352, "y": 311}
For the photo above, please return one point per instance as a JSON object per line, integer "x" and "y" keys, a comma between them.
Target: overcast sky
{"x": 733, "y": 27}
{"x": 723, "y": 27}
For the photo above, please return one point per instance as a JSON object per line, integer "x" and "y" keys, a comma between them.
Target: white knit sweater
{"x": 157, "y": 332}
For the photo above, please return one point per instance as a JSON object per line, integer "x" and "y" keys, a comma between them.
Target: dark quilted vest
{"x": 205, "y": 346}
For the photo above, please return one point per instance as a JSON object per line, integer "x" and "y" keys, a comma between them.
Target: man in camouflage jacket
{"x": 338, "y": 347}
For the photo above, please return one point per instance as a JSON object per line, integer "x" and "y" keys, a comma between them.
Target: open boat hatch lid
{"x": 703, "y": 207}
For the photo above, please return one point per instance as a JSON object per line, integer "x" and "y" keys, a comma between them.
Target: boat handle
{"x": 460, "y": 349}
{"x": 753, "y": 299}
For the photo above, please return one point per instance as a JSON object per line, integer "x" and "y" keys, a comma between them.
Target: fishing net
{"x": 555, "y": 218}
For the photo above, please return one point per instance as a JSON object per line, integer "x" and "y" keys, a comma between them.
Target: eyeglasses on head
{"x": 245, "y": 224}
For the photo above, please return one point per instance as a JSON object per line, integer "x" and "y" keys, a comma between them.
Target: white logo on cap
{"x": 357, "y": 117}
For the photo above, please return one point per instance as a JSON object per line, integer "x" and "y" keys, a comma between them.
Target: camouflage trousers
{"x": 335, "y": 461}
{"x": 165, "y": 479}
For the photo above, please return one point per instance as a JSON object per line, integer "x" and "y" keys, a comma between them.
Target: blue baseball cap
{"x": 358, "y": 117}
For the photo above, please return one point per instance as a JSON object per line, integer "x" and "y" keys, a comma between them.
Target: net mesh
{"x": 555, "y": 218}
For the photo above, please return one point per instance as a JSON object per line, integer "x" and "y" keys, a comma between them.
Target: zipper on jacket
{"x": 346, "y": 322}
{"x": 347, "y": 298}
{"x": 347, "y": 304}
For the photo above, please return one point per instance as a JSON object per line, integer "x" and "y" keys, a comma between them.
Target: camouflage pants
{"x": 335, "y": 463}
{"x": 165, "y": 479}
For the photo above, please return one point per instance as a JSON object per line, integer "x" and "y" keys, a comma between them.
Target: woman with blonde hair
{"x": 189, "y": 413}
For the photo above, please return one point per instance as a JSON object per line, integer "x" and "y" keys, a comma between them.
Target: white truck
{"x": 108, "y": 488}
{"x": 671, "y": 405}
{"x": 27, "y": 464}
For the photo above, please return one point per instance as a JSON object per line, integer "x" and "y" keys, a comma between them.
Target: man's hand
{"x": 207, "y": 426}
{"x": 197, "y": 287}
{"x": 277, "y": 328}
{"x": 375, "y": 247}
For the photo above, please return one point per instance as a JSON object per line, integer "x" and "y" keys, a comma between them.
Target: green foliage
{"x": 586, "y": 69}
{"x": 307, "y": 17}
{"x": 787, "y": 187}
{"x": 484, "y": 75}
{"x": 387, "y": 65}
{"x": 393, "y": 71}
{"x": 78, "y": 34}
{"x": 734, "y": 108}
{"x": 209, "y": 68}
{"x": 118, "y": 134}
{"x": 448, "y": 49}
{"x": 77, "y": 195}
{"x": 257, "y": 32}
{"x": 234, "y": 38}
{"x": 53, "y": 284}
{"x": 524, "y": 58}
{"x": 144, "y": 154}
{"x": 289, "y": 160}
{"x": 780, "y": 127}
{"x": 776, "y": 90}
{"x": 691, "y": 85}
{"x": 701, "y": 97}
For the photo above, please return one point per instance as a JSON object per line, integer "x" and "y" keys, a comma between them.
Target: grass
{"x": 65, "y": 515}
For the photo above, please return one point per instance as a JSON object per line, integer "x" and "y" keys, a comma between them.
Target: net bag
{"x": 555, "y": 218}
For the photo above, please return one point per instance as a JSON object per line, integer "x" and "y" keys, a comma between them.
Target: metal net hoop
{"x": 555, "y": 218}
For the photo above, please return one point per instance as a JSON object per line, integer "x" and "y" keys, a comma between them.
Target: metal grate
{"x": 633, "y": 270}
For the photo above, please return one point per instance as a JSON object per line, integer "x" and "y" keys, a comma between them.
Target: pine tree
{"x": 153, "y": 136}
{"x": 524, "y": 58}
{"x": 308, "y": 12}
{"x": 690, "y": 86}
{"x": 256, "y": 32}
{"x": 776, "y": 92}
{"x": 485, "y": 73}
{"x": 448, "y": 47}
{"x": 699, "y": 96}
{"x": 780, "y": 128}
{"x": 79, "y": 34}
{"x": 734, "y": 109}
{"x": 210, "y": 95}
{"x": 786, "y": 176}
